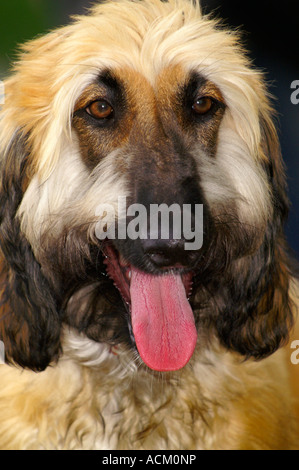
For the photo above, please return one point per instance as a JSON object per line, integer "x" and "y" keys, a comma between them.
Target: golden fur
{"x": 95, "y": 394}
{"x": 220, "y": 404}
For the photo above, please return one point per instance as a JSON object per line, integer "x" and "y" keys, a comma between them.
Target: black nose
{"x": 166, "y": 253}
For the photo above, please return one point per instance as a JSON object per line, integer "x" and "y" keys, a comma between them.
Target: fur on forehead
{"x": 145, "y": 36}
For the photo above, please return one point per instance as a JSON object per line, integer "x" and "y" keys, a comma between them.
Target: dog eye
{"x": 202, "y": 105}
{"x": 100, "y": 109}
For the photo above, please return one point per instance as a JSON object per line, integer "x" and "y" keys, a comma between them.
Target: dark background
{"x": 271, "y": 33}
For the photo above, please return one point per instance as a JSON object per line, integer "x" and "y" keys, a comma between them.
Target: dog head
{"x": 139, "y": 106}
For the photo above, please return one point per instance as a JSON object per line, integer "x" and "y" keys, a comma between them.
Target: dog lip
{"x": 118, "y": 270}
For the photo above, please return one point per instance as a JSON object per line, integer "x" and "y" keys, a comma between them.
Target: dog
{"x": 117, "y": 336}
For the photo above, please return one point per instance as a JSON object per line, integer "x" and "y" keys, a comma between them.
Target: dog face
{"x": 152, "y": 104}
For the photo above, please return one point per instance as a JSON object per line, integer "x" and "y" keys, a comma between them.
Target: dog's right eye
{"x": 202, "y": 105}
{"x": 100, "y": 109}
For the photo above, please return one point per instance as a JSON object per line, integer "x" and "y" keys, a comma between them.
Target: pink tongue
{"x": 162, "y": 320}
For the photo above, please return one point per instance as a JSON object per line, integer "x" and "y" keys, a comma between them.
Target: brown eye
{"x": 202, "y": 105}
{"x": 100, "y": 109}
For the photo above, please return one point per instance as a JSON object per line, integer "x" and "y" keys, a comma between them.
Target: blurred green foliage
{"x": 21, "y": 20}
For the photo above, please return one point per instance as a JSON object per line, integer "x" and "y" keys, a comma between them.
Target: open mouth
{"x": 161, "y": 316}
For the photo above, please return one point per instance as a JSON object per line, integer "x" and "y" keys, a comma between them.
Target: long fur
{"x": 73, "y": 378}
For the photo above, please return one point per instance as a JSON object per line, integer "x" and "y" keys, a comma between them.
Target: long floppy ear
{"x": 258, "y": 313}
{"x": 29, "y": 320}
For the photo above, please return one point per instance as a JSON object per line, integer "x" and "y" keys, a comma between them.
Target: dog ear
{"x": 29, "y": 320}
{"x": 258, "y": 316}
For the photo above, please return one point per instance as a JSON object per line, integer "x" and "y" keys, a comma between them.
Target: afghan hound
{"x": 138, "y": 117}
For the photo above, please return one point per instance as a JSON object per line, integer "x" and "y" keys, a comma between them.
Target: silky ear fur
{"x": 257, "y": 316}
{"x": 29, "y": 317}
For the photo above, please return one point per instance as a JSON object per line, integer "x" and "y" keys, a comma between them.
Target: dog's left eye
{"x": 100, "y": 109}
{"x": 202, "y": 105}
